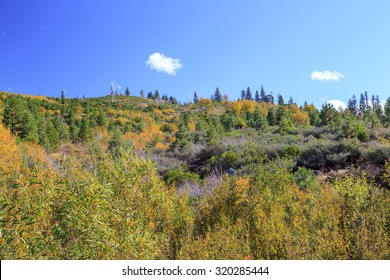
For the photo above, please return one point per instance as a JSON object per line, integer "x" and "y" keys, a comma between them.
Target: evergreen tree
{"x": 156, "y": 95}
{"x": 63, "y": 97}
{"x": 272, "y": 116}
{"x": 280, "y": 100}
{"x": 217, "y": 95}
{"x": 85, "y": 133}
{"x": 172, "y": 100}
{"x": 102, "y": 119}
{"x": 329, "y": 115}
{"x": 248, "y": 94}
{"x": 290, "y": 101}
{"x": 387, "y": 111}
{"x": 62, "y": 128}
{"x": 42, "y": 126}
{"x": 150, "y": 95}
{"x": 14, "y": 111}
{"x": 196, "y": 100}
{"x": 142, "y": 93}
{"x": 259, "y": 120}
{"x": 52, "y": 139}
{"x": 127, "y": 92}
{"x": 116, "y": 142}
{"x": 269, "y": 98}
{"x": 363, "y": 104}
{"x": 352, "y": 105}
{"x": 29, "y": 128}
{"x": 262, "y": 94}
{"x": 257, "y": 96}
{"x": 242, "y": 94}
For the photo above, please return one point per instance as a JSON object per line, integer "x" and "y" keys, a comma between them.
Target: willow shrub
{"x": 116, "y": 209}
{"x": 267, "y": 216}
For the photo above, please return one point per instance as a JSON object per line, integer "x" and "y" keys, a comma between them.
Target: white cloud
{"x": 162, "y": 63}
{"x": 326, "y": 76}
{"x": 337, "y": 104}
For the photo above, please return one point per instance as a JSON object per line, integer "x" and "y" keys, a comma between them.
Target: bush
{"x": 178, "y": 177}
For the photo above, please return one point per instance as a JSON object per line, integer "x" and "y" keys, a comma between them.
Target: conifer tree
{"x": 85, "y": 132}
{"x": 257, "y": 96}
{"x": 196, "y": 100}
{"x": 217, "y": 95}
{"x": 280, "y": 100}
{"x": 52, "y": 139}
{"x": 242, "y": 94}
{"x": 127, "y": 92}
{"x": 28, "y": 128}
{"x": 156, "y": 95}
{"x": 352, "y": 105}
{"x": 248, "y": 94}
{"x": 116, "y": 141}
{"x": 259, "y": 120}
{"x": 262, "y": 94}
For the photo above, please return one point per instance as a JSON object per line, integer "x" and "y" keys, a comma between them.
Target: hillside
{"x": 124, "y": 177}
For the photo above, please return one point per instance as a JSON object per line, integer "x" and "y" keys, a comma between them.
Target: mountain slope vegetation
{"x": 124, "y": 177}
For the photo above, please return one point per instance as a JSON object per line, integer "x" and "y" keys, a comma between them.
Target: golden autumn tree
{"x": 11, "y": 159}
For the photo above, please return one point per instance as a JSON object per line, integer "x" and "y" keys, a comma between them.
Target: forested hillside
{"x": 125, "y": 177}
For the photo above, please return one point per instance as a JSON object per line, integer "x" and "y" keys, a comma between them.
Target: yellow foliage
{"x": 150, "y": 133}
{"x": 10, "y": 156}
{"x": 242, "y": 185}
{"x": 236, "y": 107}
{"x": 35, "y": 154}
{"x": 248, "y": 105}
{"x": 204, "y": 101}
{"x": 101, "y": 134}
{"x": 168, "y": 111}
{"x": 299, "y": 117}
{"x": 192, "y": 126}
{"x": 157, "y": 112}
{"x": 78, "y": 109}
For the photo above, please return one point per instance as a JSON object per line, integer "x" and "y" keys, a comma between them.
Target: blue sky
{"x": 180, "y": 47}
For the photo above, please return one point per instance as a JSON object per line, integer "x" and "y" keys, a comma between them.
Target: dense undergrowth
{"x": 150, "y": 182}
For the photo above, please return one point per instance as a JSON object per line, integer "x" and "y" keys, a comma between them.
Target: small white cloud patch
{"x": 326, "y": 76}
{"x": 162, "y": 63}
{"x": 337, "y": 104}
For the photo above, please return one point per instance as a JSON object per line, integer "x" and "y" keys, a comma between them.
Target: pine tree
{"x": 248, "y": 94}
{"x": 362, "y": 104}
{"x": 352, "y": 105}
{"x": 172, "y": 100}
{"x": 28, "y": 128}
{"x": 217, "y": 95}
{"x": 156, "y": 95}
{"x": 196, "y": 100}
{"x": 271, "y": 118}
{"x": 127, "y": 92}
{"x": 290, "y": 101}
{"x": 259, "y": 120}
{"x": 85, "y": 133}
{"x": 63, "y": 97}
{"x": 280, "y": 100}
{"x": 116, "y": 142}
{"x": 242, "y": 94}
{"x": 257, "y": 96}
{"x": 262, "y": 94}
{"x": 52, "y": 139}
{"x": 142, "y": 93}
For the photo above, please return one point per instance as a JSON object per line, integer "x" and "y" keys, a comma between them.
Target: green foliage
{"x": 304, "y": 178}
{"x": 104, "y": 199}
{"x": 178, "y": 177}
